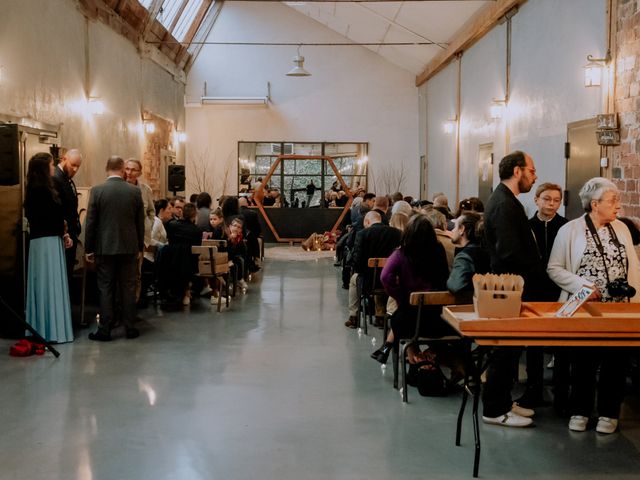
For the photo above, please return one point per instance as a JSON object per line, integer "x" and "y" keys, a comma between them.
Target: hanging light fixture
{"x": 594, "y": 69}
{"x": 298, "y": 70}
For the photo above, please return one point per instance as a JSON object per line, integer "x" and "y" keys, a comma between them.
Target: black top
{"x": 251, "y": 221}
{"x": 545, "y": 234}
{"x": 69, "y": 197}
{"x": 377, "y": 241}
{"x": 512, "y": 246}
{"x": 183, "y": 232}
{"x": 45, "y": 215}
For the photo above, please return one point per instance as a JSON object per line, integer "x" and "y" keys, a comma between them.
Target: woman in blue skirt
{"x": 48, "y": 307}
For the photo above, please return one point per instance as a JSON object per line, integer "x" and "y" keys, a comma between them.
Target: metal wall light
{"x": 449, "y": 126}
{"x": 496, "y": 110}
{"x": 298, "y": 70}
{"x": 96, "y": 106}
{"x": 594, "y": 68}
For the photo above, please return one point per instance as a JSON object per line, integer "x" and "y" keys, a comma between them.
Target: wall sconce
{"x": 593, "y": 70}
{"x": 96, "y": 106}
{"x": 496, "y": 111}
{"x": 450, "y": 126}
{"x": 181, "y": 136}
{"x": 149, "y": 126}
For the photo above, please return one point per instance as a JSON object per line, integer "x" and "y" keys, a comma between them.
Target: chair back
{"x": 377, "y": 264}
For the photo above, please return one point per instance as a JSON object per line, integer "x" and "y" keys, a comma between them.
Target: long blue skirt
{"x": 48, "y": 306}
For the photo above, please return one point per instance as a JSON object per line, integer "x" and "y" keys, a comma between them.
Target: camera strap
{"x": 600, "y": 248}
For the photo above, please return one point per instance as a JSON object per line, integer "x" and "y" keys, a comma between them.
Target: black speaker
{"x": 176, "y": 177}
{"x": 9, "y": 155}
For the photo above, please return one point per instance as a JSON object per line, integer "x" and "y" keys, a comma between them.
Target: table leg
{"x": 477, "y": 388}
{"x": 468, "y": 372}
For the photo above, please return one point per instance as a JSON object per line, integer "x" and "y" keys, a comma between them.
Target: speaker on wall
{"x": 176, "y": 178}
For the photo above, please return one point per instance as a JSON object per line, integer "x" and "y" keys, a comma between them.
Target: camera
{"x": 620, "y": 288}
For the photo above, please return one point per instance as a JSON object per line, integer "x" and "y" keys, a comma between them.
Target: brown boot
{"x": 352, "y": 322}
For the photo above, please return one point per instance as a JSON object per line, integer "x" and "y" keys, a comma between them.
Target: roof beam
{"x": 478, "y": 26}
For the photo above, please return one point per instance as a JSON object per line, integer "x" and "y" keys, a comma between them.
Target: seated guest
{"x": 471, "y": 257}
{"x": 216, "y": 223}
{"x": 402, "y": 207}
{"x": 596, "y": 250}
{"x": 376, "y": 240}
{"x": 178, "y": 264}
{"x": 203, "y": 203}
{"x": 471, "y": 204}
{"x": 399, "y": 220}
{"x": 236, "y": 249}
{"x": 269, "y": 200}
{"x": 420, "y": 264}
{"x": 177, "y": 204}
{"x": 342, "y": 199}
{"x": 439, "y": 223}
{"x": 253, "y": 233}
{"x": 158, "y": 240}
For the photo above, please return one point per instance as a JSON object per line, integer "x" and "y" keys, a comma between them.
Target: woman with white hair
{"x": 596, "y": 250}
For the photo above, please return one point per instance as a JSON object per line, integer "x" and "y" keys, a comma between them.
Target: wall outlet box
{"x": 604, "y": 162}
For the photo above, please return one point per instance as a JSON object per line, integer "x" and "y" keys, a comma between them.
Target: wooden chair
{"x": 367, "y": 298}
{"x": 420, "y": 299}
{"x": 216, "y": 268}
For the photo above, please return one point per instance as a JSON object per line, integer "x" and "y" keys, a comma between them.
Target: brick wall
{"x": 151, "y": 162}
{"x": 626, "y": 157}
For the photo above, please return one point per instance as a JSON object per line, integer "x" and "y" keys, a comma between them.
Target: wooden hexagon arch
{"x": 265, "y": 181}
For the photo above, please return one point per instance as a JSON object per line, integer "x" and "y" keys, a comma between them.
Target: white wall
{"x": 550, "y": 42}
{"x": 42, "y": 51}
{"x": 353, "y": 94}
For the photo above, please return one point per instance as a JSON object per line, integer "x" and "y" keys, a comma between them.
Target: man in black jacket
{"x": 63, "y": 183}
{"x": 377, "y": 240}
{"x": 512, "y": 249}
{"x": 253, "y": 232}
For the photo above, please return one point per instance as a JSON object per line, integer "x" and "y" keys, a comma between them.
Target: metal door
{"x": 485, "y": 171}
{"x": 583, "y": 162}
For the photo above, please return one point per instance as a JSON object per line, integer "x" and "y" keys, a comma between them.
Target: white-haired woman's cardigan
{"x": 567, "y": 252}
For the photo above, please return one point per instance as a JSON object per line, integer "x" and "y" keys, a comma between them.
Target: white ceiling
{"x": 396, "y": 22}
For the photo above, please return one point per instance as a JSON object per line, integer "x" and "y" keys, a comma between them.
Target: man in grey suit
{"x": 114, "y": 234}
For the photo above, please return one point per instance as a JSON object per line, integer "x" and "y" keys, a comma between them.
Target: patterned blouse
{"x": 592, "y": 267}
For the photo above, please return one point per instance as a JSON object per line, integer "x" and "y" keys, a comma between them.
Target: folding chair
{"x": 367, "y": 297}
{"x": 420, "y": 299}
{"x": 214, "y": 264}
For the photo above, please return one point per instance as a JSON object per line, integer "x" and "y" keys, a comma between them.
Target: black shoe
{"x": 382, "y": 354}
{"x": 100, "y": 336}
{"x": 531, "y": 400}
{"x": 132, "y": 333}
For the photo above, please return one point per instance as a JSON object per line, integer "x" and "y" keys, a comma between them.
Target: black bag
{"x": 430, "y": 381}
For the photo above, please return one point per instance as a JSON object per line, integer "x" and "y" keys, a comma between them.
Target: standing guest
{"x": 133, "y": 170}
{"x": 512, "y": 249}
{"x": 545, "y": 224}
{"x": 63, "y": 183}
{"x": 203, "y": 204}
{"x": 158, "y": 240}
{"x": 311, "y": 190}
{"x": 253, "y": 233}
{"x": 471, "y": 204}
{"x": 114, "y": 239}
{"x": 596, "y": 250}
{"x": 48, "y": 309}
{"x": 471, "y": 258}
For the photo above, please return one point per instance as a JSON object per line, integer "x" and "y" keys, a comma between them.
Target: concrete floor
{"x": 277, "y": 388}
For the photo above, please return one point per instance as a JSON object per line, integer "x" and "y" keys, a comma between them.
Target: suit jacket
{"x": 69, "y": 198}
{"x": 115, "y": 219}
{"x": 377, "y": 241}
{"x": 512, "y": 246}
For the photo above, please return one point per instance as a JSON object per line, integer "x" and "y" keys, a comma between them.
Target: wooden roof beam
{"x": 477, "y": 27}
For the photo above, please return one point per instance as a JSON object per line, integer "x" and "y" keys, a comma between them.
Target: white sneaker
{"x": 522, "y": 411}
{"x": 242, "y": 284}
{"x": 607, "y": 425}
{"x": 205, "y": 291}
{"x": 509, "y": 419}
{"x": 578, "y": 423}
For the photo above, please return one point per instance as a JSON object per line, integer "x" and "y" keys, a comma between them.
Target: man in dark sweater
{"x": 377, "y": 240}
{"x": 545, "y": 225}
{"x": 512, "y": 249}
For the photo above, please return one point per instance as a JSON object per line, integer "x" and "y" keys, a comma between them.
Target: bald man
{"x": 63, "y": 182}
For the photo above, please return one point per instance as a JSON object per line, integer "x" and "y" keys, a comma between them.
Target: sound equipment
{"x": 176, "y": 178}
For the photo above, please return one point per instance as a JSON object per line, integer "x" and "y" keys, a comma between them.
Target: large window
{"x": 177, "y": 16}
{"x": 295, "y": 179}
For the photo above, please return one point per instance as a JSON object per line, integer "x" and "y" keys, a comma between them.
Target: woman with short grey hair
{"x": 596, "y": 250}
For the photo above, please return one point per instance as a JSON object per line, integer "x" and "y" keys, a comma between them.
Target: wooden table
{"x": 593, "y": 325}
